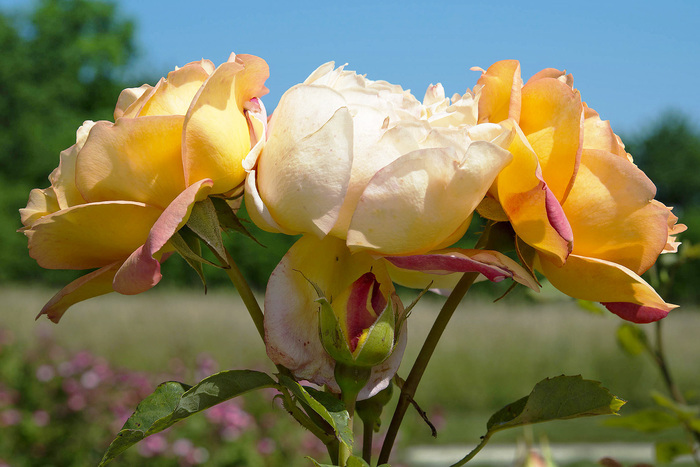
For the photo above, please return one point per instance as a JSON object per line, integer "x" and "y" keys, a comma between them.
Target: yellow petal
{"x": 90, "y": 235}
{"x": 534, "y": 213}
{"x": 598, "y": 280}
{"x": 135, "y": 159}
{"x": 216, "y": 133}
{"x": 90, "y": 285}
{"x": 414, "y": 203}
{"x": 612, "y": 215}
{"x": 127, "y": 98}
{"x": 500, "y": 95}
{"x": 551, "y": 117}
{"x": 597, "y": 134}
{"x": 173, "y": 95}
{"x": 63, "y": 177}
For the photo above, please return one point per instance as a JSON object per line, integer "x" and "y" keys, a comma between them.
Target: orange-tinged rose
{"x": 573, "y": 193}
{"x": 124, "y": 188}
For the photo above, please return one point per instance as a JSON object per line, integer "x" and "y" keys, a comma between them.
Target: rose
{"x": 360, "y": 167}
{"x": 573, "y": 194}
{"x": 125, "y": 188}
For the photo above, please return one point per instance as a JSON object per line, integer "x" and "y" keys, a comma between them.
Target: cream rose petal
{"x": 304, "y": 169}
{"x": 410, "y": 206}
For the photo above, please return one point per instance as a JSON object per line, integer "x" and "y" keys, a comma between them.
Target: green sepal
{"x": 328, "y": 407}
{"x": 331, "y": 334}
{"x": 173, "y": 401}
{"x": 204, "y": 223}
{"x": 228, "y": 220}
{"x": 379, "y": 343}
{"x": 187, "y": 245}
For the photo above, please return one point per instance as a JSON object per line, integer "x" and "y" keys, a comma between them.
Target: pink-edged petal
{"x": 493, "y": 265}
{"x": 552, "y": 119}
{"x": 603, "y": 281}
{"x": 90, "y": 285}
{"x": 636, "y": 313}
{"x": 216, "y": 136}
{"x": 532, "y": 208}
{"x": 257, "y": 121}
{"x": 90, "y": 235}
{"x": 135, "y": 159}
{"x": 291, "y": 310}
{"x": 141, "y": 270}
{"x": 414, "y": 203}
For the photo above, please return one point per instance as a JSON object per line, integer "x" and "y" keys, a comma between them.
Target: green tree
{"x": 62, "y": 61}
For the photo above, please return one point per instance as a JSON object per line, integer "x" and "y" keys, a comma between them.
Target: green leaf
{"x": 172, "y": 402}
{"x": 160, "y": 404}
{"x": 667, "y": 451}
{"x": 329, "y": 408}
{"x": 559, "y": 398}
{"x": 682, "y": 411}
{"x": 228, "y": 220}
{"x": 354, "y": 461}
{"x": 632, "y": 339}
{"x": 646, "y": 421}
{"x": 205, "y": 224}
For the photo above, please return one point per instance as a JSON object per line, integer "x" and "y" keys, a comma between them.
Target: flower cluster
{"x": 379, "y": 185}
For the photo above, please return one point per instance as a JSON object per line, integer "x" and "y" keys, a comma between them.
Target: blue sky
{"x": 630, "y": 59}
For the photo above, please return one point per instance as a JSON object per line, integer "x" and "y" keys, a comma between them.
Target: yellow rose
{"x": 125, "y": 188}
{"x": 574, "y": 195}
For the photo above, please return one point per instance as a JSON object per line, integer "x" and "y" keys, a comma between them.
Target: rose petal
{"x": 174, "y": 94}
{"x": 611, "y": 212}
{"x": 500, "y": 96}
{"x": 141, "y": 270}
{"x": 216, "y": 135}
{"x": 552, "y": 119}
{"x": 304, "y": 169}
{"x": 493, "y": 265}
{"x": 90, "y": 235}
{"x": 414, "y": 203}
{"x": 533, "y": 210}
{"x": 602, "y": 281}
{"x": 135, "y": 159}
{"x": 90, "y": 285}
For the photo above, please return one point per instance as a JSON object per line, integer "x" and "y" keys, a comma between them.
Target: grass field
{"x": 492, "y": 353}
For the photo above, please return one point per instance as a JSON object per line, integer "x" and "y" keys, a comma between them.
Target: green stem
{"x": 367, "y": 436}
{"x": 409, "y": 388}
{"x": 246, "y": 293}
{"x": 474, "y": 452}
{"x": 348, "y": 399}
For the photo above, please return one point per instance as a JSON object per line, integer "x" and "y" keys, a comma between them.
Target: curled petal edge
{"x": 141, "y": 271}
{"x": 493, "y": 265}
{"x": 94, "y": 284}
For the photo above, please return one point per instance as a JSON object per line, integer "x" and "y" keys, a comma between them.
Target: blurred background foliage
{"x": 64, "y": 61}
